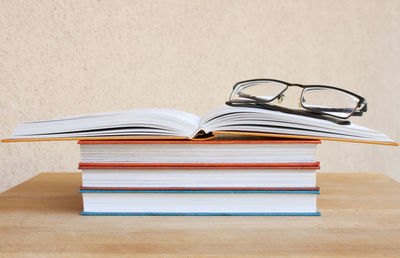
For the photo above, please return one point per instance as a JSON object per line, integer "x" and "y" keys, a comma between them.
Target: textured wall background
{"x": 62, "y": 58}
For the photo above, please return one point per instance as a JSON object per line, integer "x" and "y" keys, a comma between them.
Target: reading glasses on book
{"x": 318, "y": 101}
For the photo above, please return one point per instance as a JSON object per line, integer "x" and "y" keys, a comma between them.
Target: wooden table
{"x": 360, "y": 217}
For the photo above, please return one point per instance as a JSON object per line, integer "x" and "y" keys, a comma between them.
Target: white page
{"x": 153, "y": 121}
{"x": 227, "y": 118}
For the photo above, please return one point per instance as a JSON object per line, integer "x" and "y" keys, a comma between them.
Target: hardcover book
{"x": 199, "y": 202}
{"x": 220, "y": 150}
{"x": 216, "y": 176}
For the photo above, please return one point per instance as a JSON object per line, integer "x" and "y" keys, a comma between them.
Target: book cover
{"x": 200, "y": 202}
{"x": 200, "y": 213}
{"x": 167, "y": 166}
{"x": 314, "y": 190}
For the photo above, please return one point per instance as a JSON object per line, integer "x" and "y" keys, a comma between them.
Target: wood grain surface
{"x": 360, "y": 217}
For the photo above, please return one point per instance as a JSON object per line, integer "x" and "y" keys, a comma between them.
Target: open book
{"x": 173, "y": 124}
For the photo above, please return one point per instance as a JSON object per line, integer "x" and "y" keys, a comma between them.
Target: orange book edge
{"x": 202, "y": 139}
{"x": 314, "y": 165}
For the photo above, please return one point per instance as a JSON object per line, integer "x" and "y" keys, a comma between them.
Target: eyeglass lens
{"x": 259, "y": 91}
{"x": 318, "y": 99}
{"x": 329, "y": 101}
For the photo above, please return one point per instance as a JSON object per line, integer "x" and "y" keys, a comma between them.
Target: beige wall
{"x": 63, "y": 58}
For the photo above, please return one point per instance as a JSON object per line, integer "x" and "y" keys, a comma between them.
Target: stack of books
{"x": 222, "y": 176}
{"x": 169, "y": 162}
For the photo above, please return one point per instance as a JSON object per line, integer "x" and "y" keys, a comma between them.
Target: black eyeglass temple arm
{"x": 363, "y": 109}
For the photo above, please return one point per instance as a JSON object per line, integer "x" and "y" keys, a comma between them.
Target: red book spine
{"x": 199, "y": 165}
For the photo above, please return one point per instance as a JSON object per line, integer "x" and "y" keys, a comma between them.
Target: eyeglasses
{"x": 319, "y": 101}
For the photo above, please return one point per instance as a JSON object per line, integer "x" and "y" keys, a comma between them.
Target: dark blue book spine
{"x": 199, "y": 214}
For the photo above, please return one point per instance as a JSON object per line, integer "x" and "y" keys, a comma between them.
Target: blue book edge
{"x": 200, "y": 214}
{"x": 201, "y": 191}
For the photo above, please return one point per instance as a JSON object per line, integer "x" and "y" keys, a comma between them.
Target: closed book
{"x": 223, "y": 150}
{"x": 195, "y": 175}
{"x": 198, "y": 202}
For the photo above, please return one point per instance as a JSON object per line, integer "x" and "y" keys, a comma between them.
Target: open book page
{"x": 242, "y": 119}
{"x": 139, "y": 122}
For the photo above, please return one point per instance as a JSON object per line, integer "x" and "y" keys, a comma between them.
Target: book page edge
{"x": 304, "y": 137}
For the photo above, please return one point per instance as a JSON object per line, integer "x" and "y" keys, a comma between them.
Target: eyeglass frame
{"x": 355, "y": 112}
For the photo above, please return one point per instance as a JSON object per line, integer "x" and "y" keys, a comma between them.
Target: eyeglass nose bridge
{"x": 296, "y": 84}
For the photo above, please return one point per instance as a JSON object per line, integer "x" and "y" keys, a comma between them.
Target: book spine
{"x": 200, "y": 213}
{"x": 183, "y": 141}
{"x": 199, "y": 188}
{"x": 199, "y": 166}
